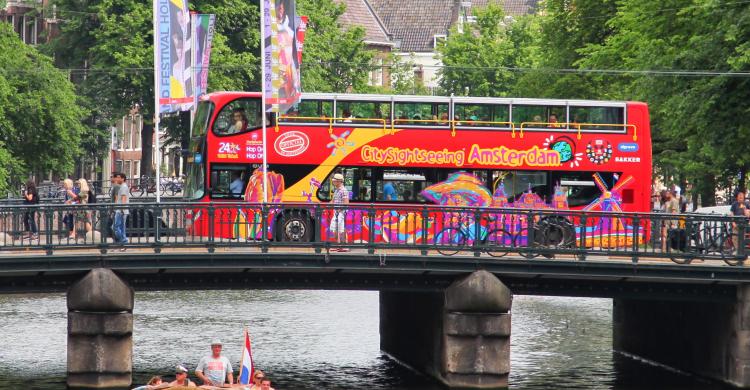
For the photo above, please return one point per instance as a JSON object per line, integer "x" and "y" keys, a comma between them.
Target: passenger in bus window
{"x": 348, "y": 116}
{"x": 537, "y": 119}
{"x": 473, "y": 120}
{"x": 443, "y": 119}
{"x": 456, "y": 120}
{"x": 389, "y": 192}
{"x": 235, "y": 187}
{"x": 553, "y": 121}
{"x": 239, "y": 121}
{"x": 434, "y": 120}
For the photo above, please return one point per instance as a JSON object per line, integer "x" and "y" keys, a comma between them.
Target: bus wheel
{"x": 296, "y": 227}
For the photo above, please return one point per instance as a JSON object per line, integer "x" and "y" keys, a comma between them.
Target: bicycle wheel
{"x": 521, "y": 241}
{"x": 498, "y": 243}
{"x": 172, "y": 189}
{"x": 450, "y": 241}
{"x": 136, "y": 191}
{"x": 162, "y": 189}
{"x": 727, "y": 250}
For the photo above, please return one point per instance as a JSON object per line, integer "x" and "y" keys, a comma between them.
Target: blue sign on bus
{"x": 628, "y": 147}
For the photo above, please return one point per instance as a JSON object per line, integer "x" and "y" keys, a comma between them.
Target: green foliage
{"x": 479, "y": 59}
{"x": 334, "y": 59}
{"x": 699, "y": 130}
{"x": 40, "y": 114}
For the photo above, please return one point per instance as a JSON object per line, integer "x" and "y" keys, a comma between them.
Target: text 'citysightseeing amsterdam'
{"x": 534, "y": 157}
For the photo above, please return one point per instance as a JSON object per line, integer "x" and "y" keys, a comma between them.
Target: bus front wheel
{"x": 295, "y": 227}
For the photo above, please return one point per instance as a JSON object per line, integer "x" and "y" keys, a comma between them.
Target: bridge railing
{"x": 492, "y": 232}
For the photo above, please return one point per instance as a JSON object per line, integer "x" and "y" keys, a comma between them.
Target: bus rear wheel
{"x": 295, "y": 227}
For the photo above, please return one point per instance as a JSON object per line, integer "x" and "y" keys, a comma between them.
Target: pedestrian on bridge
{"x": 340, "y": 199}
{"x": 121, "y": 197}
{"x": 30, "y": 198}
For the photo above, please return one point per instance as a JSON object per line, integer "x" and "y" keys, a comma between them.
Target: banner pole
{"x": 156, "y": 99}
{"x": 263, "y": 96}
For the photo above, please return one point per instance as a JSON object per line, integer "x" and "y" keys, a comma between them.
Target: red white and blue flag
{"x": 246, "y": 364}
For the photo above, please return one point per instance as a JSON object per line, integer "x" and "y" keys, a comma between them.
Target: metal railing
{"x": 438, "y": 230}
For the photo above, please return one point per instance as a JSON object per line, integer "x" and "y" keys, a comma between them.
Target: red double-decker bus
{"x": 406, "y": 150}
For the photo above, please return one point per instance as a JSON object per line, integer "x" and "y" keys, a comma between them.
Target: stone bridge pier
{"x": 460, "y": 336}
{"x": 710, "y": 339}
{"x": 100, "y": 332}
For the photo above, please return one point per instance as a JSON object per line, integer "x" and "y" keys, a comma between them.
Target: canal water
{"x": 323, "y": 340}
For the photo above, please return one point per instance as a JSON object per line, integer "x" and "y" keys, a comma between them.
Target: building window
{"x": 136, "y": 168}
{"x": 127, "y": 168}
{"x": 135, "y": 132}
{"x": 376, "y": 75}
{"x": 118, "y": 165}
{"x": 126, "y": 133}
{"x": 438, "y": 39}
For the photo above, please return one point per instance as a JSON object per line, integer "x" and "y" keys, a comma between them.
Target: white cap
{"x": 216, "y": 342}
{"x": 338, "y": 176}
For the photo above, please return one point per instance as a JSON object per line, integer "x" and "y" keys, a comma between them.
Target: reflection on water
{"x": 323, "y": 340}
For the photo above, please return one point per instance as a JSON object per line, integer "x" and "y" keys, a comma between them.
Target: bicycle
{"x": 172, "y": 188}
{"x": 494, "y": 241}
{"x": 708, "y": 240}
{"x": 145, "y": 185}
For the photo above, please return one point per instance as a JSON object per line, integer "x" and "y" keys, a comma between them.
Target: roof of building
{"x": 511, "y": 7}
{"x": 359, "y": 13}
{"x": 416, "y": 22}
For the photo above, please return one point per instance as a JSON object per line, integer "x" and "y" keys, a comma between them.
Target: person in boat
{"x": 154, "y": 383}
{"x": 258, "y": 377}
{"x": 181, "y": 378}
{"x": 265, "y": 384}
{"x": 215, "y": 370}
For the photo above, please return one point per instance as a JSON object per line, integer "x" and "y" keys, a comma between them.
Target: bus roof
{"x": 439, "y": 99}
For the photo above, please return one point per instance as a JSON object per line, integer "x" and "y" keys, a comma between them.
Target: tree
{"x": 699, "y": 122}
{"x": 334, "y": 59}
{"x": 481, "y": 59}
{"x": 112, "y": 40}
{"x": 40, "y": 114}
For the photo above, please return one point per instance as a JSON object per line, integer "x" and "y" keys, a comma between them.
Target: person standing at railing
{"x": 121, "y": 197}
{"x": 340, "y": 199}
{"x": 30, "y": 198}
{"x": 70, "y": 198}
{"x": 671, "y": 206}
{"x": 84, "y": 198}
{"x": 738, "y": 209}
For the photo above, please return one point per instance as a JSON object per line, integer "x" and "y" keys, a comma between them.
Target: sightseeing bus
{"x": 418, "y": 150}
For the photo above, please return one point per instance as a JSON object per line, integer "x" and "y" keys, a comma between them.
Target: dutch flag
{"x": 246, "y": 363}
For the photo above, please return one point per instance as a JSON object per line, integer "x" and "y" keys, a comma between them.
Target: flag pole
{"x": 156, "y": 99}
{"x": 263, "y": 95}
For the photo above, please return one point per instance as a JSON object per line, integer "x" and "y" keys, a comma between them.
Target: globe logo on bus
{"x": 565, "y": 148}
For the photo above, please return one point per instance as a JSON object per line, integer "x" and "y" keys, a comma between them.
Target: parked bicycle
{"x": 703, "y": 238}
{"x": 145, "y": 185}
{"x": 493, "y": 240}
{"x": 172, "y": 187}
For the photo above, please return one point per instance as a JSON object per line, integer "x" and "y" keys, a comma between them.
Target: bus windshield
{"x": 202, "y": 114}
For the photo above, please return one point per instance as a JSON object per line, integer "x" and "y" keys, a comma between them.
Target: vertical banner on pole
{"x": 173, "y": 87}
{"x": 173, "y": 56}
{"x": 284, "y": 37}
{"x": 202, "y": 26}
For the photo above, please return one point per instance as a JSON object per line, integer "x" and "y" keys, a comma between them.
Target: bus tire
{"x": 294, "y": 226}
{"x": 558, "y": 232}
